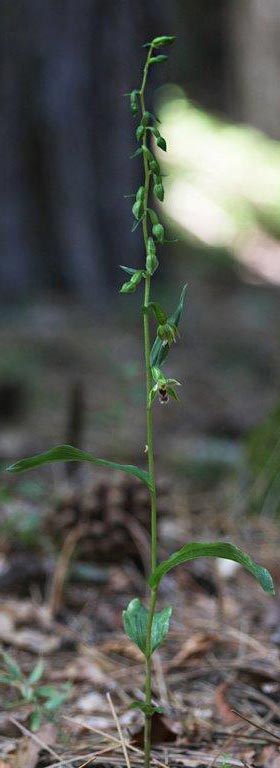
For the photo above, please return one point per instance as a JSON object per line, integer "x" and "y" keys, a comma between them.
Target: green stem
{"x": 150, "y": 444}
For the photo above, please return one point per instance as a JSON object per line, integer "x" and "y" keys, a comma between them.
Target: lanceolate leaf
{"x": 36, "y": 673}
{"x": 12, "y": 666}
{"x": 160, "y": 348}
{"x": 193, "y": 550}
{"x": 135, "y": 619}
{"x": 68, "y": 453}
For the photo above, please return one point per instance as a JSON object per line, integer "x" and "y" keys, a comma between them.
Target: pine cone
{"x": 115, "y": 513}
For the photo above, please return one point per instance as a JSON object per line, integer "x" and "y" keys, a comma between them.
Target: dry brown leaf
{"x": 27, "y": 754}
{"x": 28, "y": 748}
{"x": 82, "y": 669}
{"x": 25, "y": 612}
{"x": 224, "y": 709}
{"x": 196, "y": 644}
{"x": 6, "y": 625}
{"x": 123, "y": 647}
{"x": 270, "y": 756}
{"x": 92, "y": 702}
{"x": 36, "y": 642}
{"x": 7, "y": 728}
{"x": 14, "y": 614}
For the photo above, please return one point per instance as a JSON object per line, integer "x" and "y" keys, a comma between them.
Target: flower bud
{"x": 140, "y": 130}
{"x": 158, "y": 191}
{"x": 148, "y": 153}
{"x": 158, "y": 59}
{"x": 138, "y": 209}
{"x": 145, "y": 118}
{"x": 154, "y": 166}
{"x": 153, "y": 216}
{"x": 167, "y": 333}
{"x": 151, "y": 259}
{"x": 134, "y": 102}
{"x": 158, "y": 232}
{"x": 131, "y": 285}
{"x": 140, "y": 194}
{"x": 157, "y": 42}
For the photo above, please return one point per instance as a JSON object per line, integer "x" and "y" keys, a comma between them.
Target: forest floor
{"x": 74, "y": 545}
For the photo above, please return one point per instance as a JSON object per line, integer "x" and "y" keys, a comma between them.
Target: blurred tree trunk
{"x": 255, "y": 33}
{"x": 67, "y": 137}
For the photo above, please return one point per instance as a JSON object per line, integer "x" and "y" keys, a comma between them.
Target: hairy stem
{"x": 150, "y": 445}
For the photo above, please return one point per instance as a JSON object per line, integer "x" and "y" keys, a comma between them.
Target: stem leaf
{"x": 68, "y": 453}
{"x": 193, "y": 550}
{"x": 135, "y": 619}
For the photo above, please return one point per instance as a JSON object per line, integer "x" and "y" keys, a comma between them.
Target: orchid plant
{"x": 143, "y": 624}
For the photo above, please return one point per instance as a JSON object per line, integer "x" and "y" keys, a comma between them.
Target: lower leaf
{"x": 147, "y": 709}
{"x": 135, "y": 619}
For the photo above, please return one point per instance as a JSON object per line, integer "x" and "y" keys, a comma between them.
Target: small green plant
{"x": 147, "y": 627}
{"x": 44, "y": 700}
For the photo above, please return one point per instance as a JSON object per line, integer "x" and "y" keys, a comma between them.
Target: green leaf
{"x": 35, "y": 721}
{"x": 147, "y": 709}
{"x": 135, "y": 619}
{"x": 54, "y": 696}
{"x": 68, "y": 453}
{"x": 7, "y": 680}
{"x": 193, "y": 550}
{"x": 12, "y": 666}
{"x": 47, "y": 691}
{"x": 36, "y": 673}
{"x": 160, "y": 348}
{"x": 27, "y": 692}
